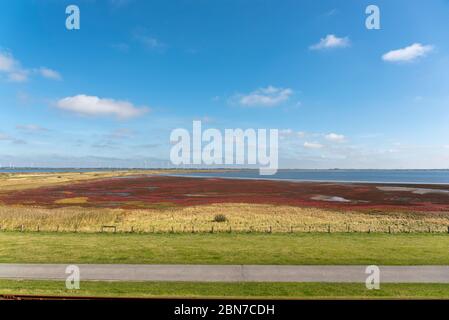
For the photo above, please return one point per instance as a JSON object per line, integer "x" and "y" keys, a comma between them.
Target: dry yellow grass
{"x": 19, "y": 181}
{"x": 240, "y": 217}
{"x": 75, "y": 200}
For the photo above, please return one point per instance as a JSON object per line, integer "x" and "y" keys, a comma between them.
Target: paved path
{"x": 228, "y": 273}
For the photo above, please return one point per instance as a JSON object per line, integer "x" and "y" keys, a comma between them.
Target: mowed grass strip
{"x": 276, "y": 249}
{"x": 227, "y": 290}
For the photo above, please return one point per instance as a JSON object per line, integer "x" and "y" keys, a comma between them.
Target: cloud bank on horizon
{"x": 340, "y": 95}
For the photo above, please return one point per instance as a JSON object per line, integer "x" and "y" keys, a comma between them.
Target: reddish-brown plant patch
{"x": 166, "y": 191}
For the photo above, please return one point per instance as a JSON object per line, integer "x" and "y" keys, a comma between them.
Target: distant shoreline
{"x": 355, "y": 176}
{"x": 90, "y": 169}
{"x": 311, "y": 181}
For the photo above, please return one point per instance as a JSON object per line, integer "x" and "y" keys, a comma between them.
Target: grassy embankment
{"x": 278, "y": 249}
{"x": 227, "y": 290}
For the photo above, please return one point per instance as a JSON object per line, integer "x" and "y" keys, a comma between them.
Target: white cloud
{"x": 331, "y": 12}
{"x": 207, "y": 119}
{"x": 49, "y": 73}
{"x": 291, "y": 133}
{"x": 418, "y": 98}
{"x": 18, "y": 76}
{"x": 152, "y": 43}
{"x": 16, "y": 73}
{"x": 121, "y": 133}
{"x": 408, "y": 54}
{"x": 30, "y": 128}
{"x": 286, "y": 132}
{"x": 5, "y": 137}
{"x": 334, "y": 137}
{"x": 11, "y": 68}
{"x": 7, "y": 62}
{"x": 312, "y": 145}
{"x": 95, "y": 106}
{"x": 264, "y": 97}
{"x": 331, "y": 41}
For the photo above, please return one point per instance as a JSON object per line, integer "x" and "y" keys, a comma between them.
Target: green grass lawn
{"x": 313, "y": 248}
{"x": 229, "y": 290}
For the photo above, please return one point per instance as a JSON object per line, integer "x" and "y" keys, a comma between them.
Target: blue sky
{"x": 110, "y": 93}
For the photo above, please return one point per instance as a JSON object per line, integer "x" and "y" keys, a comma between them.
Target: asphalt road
{"x": 227, "y": 273}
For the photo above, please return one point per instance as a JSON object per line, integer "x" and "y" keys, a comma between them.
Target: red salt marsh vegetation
{"x": 168, "y": 191}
